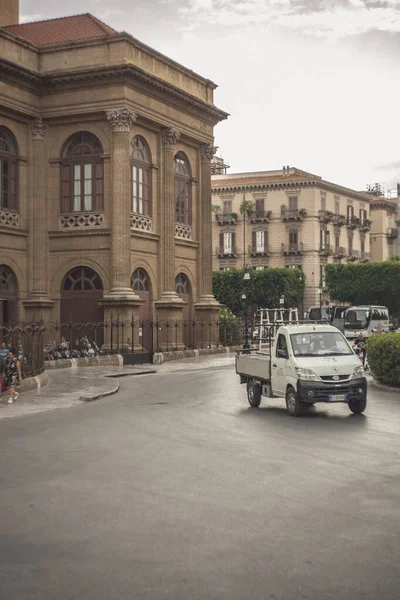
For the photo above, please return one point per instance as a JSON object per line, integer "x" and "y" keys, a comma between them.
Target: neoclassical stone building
{"x": 105, "y": 154}
{"x": 296, "y": 220}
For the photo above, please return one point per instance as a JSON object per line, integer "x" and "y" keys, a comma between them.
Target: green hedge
{"x": 383, "y": 353}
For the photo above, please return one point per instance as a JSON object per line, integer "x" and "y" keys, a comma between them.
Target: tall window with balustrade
{"x": 8, "y": 171}
{"x": 183, "y": 191}
{"x": 141, "y": 181}
{"x": 82, "y": 174}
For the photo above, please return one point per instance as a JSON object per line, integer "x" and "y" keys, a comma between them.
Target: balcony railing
{"x": 325, "y": 250}
{"x": 226, "y": 218}
{"x": 365, "y": 256}
{"x": 10, "y": 219}
{"x": 226, "y": 252}
{"x": 257, "y": 216}
{"x": 288, "y": 249}
{"x": 352, "y": 222}
{"x": 294, "y": 214}
{"x": 392, "y": 233}
{"x": 257, "y": 251}
{"x": 326, "y": 216}
{"x": 339, "y": 220}
{"x": 340, "y": 252}
{"x": 365, "y": 225}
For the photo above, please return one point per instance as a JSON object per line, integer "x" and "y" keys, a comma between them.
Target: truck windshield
{"x": 326, "y": 343}
{"x": 357, "y": 318}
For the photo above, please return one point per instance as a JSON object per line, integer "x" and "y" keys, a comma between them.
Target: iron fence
{"x": 38, "y": 342}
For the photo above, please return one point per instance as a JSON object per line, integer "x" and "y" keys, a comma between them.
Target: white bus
{"x": 366, "y": 320}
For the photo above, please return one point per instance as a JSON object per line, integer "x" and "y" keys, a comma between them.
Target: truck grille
{"x": 331, "y": 378}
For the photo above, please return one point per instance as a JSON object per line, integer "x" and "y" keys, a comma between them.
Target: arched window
{"x": 8, "y": 171}
{"x": 141, "y": 188}
{"x": 82, "y": 278}
{"x": 182, "y": 284}
{"x": 183, "y": 191}
{"x": 8, "y": 280}
{"x": 82, "y": 174}
{"x": 140, "y": 281}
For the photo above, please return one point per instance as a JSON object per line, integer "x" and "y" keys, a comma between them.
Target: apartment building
{"x": 293, "y": 219}
{"x": 385, "y": 214}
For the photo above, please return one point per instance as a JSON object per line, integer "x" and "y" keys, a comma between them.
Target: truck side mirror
{"x": 282, "y": 353}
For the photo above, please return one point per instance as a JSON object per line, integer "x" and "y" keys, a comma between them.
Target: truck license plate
{"x": 338, "y": 398}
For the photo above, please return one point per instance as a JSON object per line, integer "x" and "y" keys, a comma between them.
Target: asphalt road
{"x": 175, "y": 489}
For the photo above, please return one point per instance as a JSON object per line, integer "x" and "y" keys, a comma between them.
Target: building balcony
{"x": 254, "y": 251}
{"x": 292, "y": 249}
{"x": 9, "y": 218}
{"x": 365, "y": 256}
{"x": 325, "y": 250}
{"x": 81, "y": 220}
{"x": 340, "y": 252}
{"x": 260, "y": 216}
{"x": 326, "y": 216}
{"x": 226, "y": 252}
{"x": 226, "y": 218}
{"x": 365, "y": 226}
{"x": 392, "y": 233}
{"x": 339, "y": 220}
{"x": 354, "y": 256}
{"x": 353, "y": 223}
{"x": 293, "y": 214}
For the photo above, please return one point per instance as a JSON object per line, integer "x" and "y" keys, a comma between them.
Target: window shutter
{"x": 265, "y": 241}
{"x": 146, "y": 192}
{"x": 12, "y": 189}
{"x": 99, "y": 191}
{"x": 66, "y": 188}
{"x": 260, "y": 205}
{"x": 221, "y": 242}
{"x": 254, "y": 241}
{"x": 233, "y": 243}
{"x": 188, "y": 203}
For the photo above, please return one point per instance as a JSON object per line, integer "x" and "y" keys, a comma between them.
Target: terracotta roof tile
{"x": 64, "y": 29}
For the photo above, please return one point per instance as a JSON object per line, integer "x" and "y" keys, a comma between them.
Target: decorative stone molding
{"x": 141, "y": 222}
{"x": 121, "y": 119}
{"x": 183, "y": 231}
{"x": 169, "y": 138}
{"x": 207, "y": 152}
{"x": 9, "y": 219}
{"x": 38, "y": 128}
{"x": 81, "y": 220}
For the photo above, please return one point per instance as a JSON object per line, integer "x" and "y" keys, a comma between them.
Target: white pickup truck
{"x": 304, "y": 364}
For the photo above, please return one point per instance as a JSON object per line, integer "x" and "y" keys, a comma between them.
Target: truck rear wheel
{"x": 293, "y": 404}
{"x": 358, "y": 406}
{"x": 254, "y": 394}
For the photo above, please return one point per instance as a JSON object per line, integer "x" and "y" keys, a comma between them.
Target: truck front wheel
{"x": 293, "y": 404}
{"x": 358, "y": 406}
{"x": 254, "y": 394}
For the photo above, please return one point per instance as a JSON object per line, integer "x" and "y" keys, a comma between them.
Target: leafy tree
{"x": 263, "y": 290}
{"x": 367, "y": 283}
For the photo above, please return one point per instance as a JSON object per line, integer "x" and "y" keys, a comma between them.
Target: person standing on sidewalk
{"x": 12, "y": 375}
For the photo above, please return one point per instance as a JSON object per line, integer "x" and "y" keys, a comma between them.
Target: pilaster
{"x": 38, "y": 241}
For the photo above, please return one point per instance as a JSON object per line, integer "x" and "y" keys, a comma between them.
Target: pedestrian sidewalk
{"x": 70, "y": 387}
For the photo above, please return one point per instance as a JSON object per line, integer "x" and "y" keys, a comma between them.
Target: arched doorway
{"x": 80, "y": 291}
{"x": 184, "y": 291}
{"x": 142, "y": 287}
{"x": 8, "y": 296}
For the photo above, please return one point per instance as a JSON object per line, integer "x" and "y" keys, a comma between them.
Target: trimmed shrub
{"x": 383, "y": 353}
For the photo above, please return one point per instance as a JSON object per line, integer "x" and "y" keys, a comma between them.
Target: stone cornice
{"x": 379, "y": 203}
{"x": 55, "y": 80}
{"x": 290, "y": 186}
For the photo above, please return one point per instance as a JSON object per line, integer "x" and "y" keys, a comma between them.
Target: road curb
{"x": 133, "y": 374}
{"x": 101, "y": 395}
{"x": 386, "y": 388}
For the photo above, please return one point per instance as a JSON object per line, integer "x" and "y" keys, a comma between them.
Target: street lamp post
{"x": 246, "y": 279}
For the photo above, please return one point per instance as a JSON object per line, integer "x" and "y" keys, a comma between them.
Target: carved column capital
{"x": 169, "y": 137}
{"x": 38, "y": 128}
{"x": 121, "y": 119}
{"x": 207, "y": 152}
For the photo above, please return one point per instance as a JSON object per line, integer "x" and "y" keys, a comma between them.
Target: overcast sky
{"x": 308, "y": 83}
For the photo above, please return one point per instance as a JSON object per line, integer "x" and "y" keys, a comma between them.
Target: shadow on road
{"x": 310, "y": 415}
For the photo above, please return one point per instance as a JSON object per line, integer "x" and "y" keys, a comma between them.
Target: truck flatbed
{"x": 254, "y": 364}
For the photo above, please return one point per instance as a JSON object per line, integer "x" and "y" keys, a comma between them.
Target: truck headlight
{"x": 307, "y": 375}
{"x": 358, "y": 372}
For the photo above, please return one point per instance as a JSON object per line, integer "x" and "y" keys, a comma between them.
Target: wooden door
{"x": 81, "y": 290}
